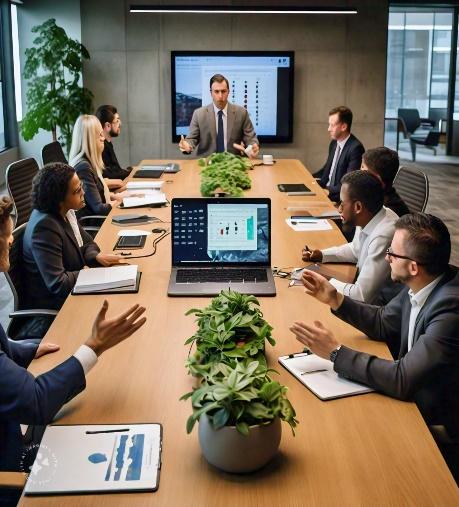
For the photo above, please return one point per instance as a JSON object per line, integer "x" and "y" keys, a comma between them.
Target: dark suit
{"x": 28, "y": 400}
{"x": 53, "y": 259}
{"x": 393, "y": 201}
{"x": 429, "y": 372}
{"x": 350, "y": 159}
{"x": 93, "y": 191}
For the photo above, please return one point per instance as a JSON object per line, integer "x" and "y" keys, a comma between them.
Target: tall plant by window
{"x": 54, "y": 97}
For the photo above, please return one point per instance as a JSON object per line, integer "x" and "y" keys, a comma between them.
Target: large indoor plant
{"x": 54, "y": 97}
{"x": 224, "y": 173}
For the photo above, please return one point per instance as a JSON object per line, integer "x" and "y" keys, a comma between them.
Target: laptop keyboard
{"x": 203, "y": 275}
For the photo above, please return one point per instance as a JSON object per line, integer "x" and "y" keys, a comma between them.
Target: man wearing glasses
{"x": 361, "y": 206}
{"x": 422, "y": 321}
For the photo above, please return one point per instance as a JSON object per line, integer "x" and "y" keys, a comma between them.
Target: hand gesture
{"x": 107, "y": 333}
{"x": 311, "y": 255}
{"x": 107, "y": 259}
{"x": 316, "y": 337}
{"x": 319, "y": 287}
{"x": 184, "y": 145}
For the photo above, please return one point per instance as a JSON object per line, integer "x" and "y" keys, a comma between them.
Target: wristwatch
{"x": 333, "y": 354}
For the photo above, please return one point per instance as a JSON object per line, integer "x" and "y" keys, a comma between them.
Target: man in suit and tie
{"x": 422, "y": 321}
{"x": 344, "y": 153}
{"x": 220, "y": 126}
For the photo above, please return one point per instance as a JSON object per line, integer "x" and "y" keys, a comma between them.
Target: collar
{"x": 343, "y": 142}
{"x": 371, "y": 225}
{"x": 421, "y": 296}
{"x": 225, "y": 109}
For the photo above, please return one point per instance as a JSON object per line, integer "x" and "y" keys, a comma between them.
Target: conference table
{"x": 367, "y": 450}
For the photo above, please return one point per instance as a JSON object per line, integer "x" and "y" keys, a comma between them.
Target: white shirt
{"x": 73, "y": 221}
{"x": 87, "y": 358}
{"x": 340, "y": 145}
{"x": 368, "y": 251}
{"x": 417, "y": 302}
{"x": 225, "y": 121}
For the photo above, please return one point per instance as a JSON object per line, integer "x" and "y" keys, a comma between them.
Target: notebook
{"x": 101, "y": 458}
{"x": 156, "y": 171}
{"x": 113, "y": 279}
{"x": 221, "y": 243}
{"x": 318, "y": 376}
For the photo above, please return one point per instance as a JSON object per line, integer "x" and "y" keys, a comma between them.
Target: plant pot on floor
{"x": 230, "y": 451}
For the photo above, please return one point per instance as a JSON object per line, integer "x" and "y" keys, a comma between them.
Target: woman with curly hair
{"x": 55, "y": 246}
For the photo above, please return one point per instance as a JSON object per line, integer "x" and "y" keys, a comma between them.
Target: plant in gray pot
{"x": 239, "y": 408}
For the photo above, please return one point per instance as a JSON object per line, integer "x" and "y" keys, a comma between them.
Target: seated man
{"x": 344, "y": 153}
{"x": 422, "y": 321}
{"x": 361, "y": 206}
{"x": 220, "y": 126}
{"x": 384, "y": 163}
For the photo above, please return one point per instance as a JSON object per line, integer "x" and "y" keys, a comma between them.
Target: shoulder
{"x": 82, "y": 166}
{"x": 355, "y": 144}
{"x": 40, "y": 220}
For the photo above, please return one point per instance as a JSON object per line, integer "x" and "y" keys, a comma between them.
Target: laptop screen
{"x": 224, "y": 231}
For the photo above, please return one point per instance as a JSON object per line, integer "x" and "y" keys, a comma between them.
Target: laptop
{"x": 221, "y": 243}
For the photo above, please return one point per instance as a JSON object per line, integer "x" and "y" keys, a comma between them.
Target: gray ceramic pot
{"x": 232, "y": 452}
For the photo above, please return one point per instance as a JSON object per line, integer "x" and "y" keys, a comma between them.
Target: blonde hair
{"x": 85, "y": 143}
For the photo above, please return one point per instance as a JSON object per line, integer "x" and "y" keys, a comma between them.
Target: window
{"x": 2, "y": 110}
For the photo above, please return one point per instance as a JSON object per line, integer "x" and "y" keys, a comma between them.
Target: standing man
{"x": 361, "y": 206}
{"x": 344, "y": 153}
{"x": 111, "y": 124}
{"x": 220, "y": 126}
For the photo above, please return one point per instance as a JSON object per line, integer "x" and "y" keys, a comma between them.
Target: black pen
{"x": 313, "y": 371}
{"x": 121, "y": 430}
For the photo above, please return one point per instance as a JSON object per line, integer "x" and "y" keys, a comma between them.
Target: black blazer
{"x": 93, "y": 191}
{"x": 53, "y": 259}
{"x": 349, "y": 160}
{"x": 429, "y": 372}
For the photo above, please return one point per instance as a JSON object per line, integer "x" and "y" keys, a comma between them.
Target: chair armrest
{"x": 33, "y": 313}
{"x": 425, "y": 122}
{"x": 15, "y": 480}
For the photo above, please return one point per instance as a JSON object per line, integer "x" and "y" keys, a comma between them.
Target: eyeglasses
{"x": 389, "y": 253}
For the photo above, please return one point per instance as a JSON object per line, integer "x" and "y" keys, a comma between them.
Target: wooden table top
{"x": 362, "y": 450}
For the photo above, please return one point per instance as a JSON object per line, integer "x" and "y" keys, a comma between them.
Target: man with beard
{"x": 361, "y": 205}
{"x": 111, "y": 124}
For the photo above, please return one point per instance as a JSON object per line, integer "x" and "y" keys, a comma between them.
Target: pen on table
{"x": 313, "y": 371}
{"x": 306, "y": 352}
{"x": 303, "y": 221}
{"x": 308, "y": 250}
{"x": 121, "y": 430}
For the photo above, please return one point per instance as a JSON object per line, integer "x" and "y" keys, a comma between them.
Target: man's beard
{"x": 114, "y": 134}
{"x": 400, "y": 278}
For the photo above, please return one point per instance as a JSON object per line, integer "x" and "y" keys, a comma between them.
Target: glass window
{"x": 2, "y": 116}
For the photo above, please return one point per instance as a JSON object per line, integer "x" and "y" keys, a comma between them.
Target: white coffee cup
{"x": 268, "y": 160}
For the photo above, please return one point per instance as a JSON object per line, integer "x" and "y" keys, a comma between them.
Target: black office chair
{"x": 19, "y": 176}
{"x": 430, "y": 141}
{"x": 413, "y": 121}
{"x": 53, "y": 152}
{"x": 413, "y": 187}
{"x": 15, "y": 279}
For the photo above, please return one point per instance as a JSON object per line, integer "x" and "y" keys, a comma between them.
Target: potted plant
{"x": 224, "y": 173}
{"x": 239, "y": 408}
{"x": 54, "y": 96}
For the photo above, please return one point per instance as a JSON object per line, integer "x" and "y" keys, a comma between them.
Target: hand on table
{"x": 311, "y": 255}
{"x": 184, "y": 145}
{"x": 46, "y": 348}
{"x": 252, "y": 154}
{"x": 319, "y": 287}
{"x": 316, "y": 337}
{"x": 107, "y": 259}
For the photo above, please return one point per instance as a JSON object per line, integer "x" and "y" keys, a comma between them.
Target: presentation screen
{"x": 260, "y": 81}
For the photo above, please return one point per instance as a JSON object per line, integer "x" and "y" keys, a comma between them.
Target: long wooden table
{"x": 365, "y": 450}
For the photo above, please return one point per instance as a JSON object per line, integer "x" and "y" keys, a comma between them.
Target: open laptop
{"x": 221, "y": 243}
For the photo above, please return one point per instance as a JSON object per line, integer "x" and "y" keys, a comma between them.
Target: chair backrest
{"x": 411, "y": 118}
{"x": 15, "y": 275}
{"x": 53, "y": 152}
{"x": 19, "y": 176}
{"x": 413, "y": 187}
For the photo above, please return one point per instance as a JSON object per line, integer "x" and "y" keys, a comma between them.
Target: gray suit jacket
{"x": 203, "y": 132}
{"x": 429, "y": 372}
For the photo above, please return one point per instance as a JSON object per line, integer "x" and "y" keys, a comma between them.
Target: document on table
{"x": 318, "y": 376}
{"x": 148, "y": 199}
{"x": 136, "y": 185}
{"x": 92, "y": 280}
{"x": 309, "y": 224}
{"x": 97, "y": 458}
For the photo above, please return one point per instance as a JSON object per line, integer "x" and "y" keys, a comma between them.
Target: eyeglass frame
{"x": 397, "y": 256}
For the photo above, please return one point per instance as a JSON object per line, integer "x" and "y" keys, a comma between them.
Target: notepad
{"x": 135, "y": 185}
{"x": 150, "y": 199}
{"x": 309, "y": 225}
{"x": 103, "y": 279}
{"x": 97, "y": 458}
{"x": 318, "y": 376}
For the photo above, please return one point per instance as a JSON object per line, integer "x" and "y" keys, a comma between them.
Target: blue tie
{"x": 220, "y": 133}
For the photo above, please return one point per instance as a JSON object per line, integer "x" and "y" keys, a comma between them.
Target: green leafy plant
{"x": 231, "y": 327}
{"x": 224, "y": 172}
{"x": 54, "y": 97}
{"x": 240, "y": 396}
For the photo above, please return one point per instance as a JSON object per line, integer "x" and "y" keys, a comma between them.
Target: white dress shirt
{"x": 368, "y": 251}
{"x": 87, "y": 358}
{"x": 417, "y": 302}
{"x": 340, "y": 145}
{"x": 225, "y": 122}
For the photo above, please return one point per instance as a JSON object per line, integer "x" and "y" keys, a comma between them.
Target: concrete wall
{"x": 339, "y": 59}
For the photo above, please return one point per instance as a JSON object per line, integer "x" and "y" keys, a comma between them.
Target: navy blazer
{"x": 53, "y": 259}
{"x": 28, "y": 400}
{"x": 349, "y": 160}
{"x": 429, "y": 372}
{"x": 93, "y": 191}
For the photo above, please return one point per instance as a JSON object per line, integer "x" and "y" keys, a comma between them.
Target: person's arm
{"x": 248, "y": 132}
{"x": 342, "y": 253}
{"x": 22, "y": 352}
{"x": 90, "y": 249}
{"x": 194, "y": 132}
{"x": 91, "y": 192}
{"x": 354, "y": 162}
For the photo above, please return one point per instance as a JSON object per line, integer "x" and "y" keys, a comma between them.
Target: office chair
{"x": 413, "y": 187}
{"x": 15, "y": 279}
{"x": 19, "y": 176}
{"x": 430, "y": 141}
{"x": 53, "y": 152}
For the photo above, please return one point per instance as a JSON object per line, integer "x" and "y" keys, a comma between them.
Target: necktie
{"x": 334, "y": 164}
{"x": 220, "y": 133}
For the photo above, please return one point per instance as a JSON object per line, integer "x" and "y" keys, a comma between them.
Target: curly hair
{"x": 50, "y": 185}
{"x": 6, "y": 207}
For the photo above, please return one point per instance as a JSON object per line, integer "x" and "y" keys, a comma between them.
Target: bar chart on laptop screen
{"x": 232, "y": 227}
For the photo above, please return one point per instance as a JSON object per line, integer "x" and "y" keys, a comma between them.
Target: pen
{"x": 312, "y": 371}
{"x": 294, "y": 222}
{"x": 121, "y": 430}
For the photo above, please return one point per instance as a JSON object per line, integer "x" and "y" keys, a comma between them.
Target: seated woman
{"x": 86, "y": 157}
{"x": 55, "y": 246}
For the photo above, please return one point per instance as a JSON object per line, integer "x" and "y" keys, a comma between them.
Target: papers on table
{"x": 318, "y": 376}
{"x": 97, "y": 458}
{"x": 308, "y": 224}
{"x": 153, "y": 198}
{"x": 133, "y": 232}
{"x": 144, "y": 185}
{"x": 103, "y": 279}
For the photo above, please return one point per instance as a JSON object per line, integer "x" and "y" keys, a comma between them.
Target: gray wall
{"x": 339, "y": 59}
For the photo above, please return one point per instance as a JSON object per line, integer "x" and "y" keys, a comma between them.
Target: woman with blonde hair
{"x": 86, "y": 158}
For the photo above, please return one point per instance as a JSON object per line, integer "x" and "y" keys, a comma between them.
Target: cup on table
{"x": 268, "y": 160}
